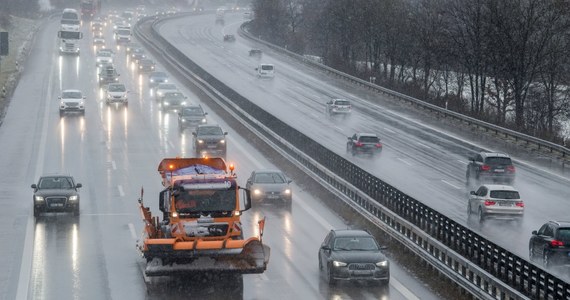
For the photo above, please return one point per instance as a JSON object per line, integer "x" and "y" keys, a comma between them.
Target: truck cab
{"x": 69, "y": 42}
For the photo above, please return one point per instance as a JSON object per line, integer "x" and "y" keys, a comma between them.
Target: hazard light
{"x": 232, "y": 167}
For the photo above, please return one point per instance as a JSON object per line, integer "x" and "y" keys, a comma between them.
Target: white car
{"x": 338, "y": 106}
{"x": 162, "y": 88}
{"x": 71, "y": 101}
{"x": 103, "y": 57}
{"x": 265, "y": 71}
{"x": 495, "y": 201}
{"x": 117, "y": 93}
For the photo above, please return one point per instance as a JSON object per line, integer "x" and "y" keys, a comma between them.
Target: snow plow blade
{"x": 169, "y": 257}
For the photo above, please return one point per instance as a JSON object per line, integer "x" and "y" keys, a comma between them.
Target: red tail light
{"x": 485, "y": 168}
{"x": 378, "y": 145}
{"x": 520, "y": 204}
{"x": 489, "y": 202}
{"x": 556, "y": 243}
{"x": 511, "y": 169}
{"x": 358, "y": 144}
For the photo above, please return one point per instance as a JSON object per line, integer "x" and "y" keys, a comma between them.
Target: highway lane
{"x": 421, "y": 158}
{"x": 113, "y": 151}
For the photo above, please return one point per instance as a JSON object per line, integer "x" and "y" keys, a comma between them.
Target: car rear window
{"x": 369, "y": 139}
{"x": 267, "y": 67}
{"x": 498, "y": 161}
{"x": 505, "y": 195}
{"x": 342, "y": 102}
{"x": 564, "y": 234}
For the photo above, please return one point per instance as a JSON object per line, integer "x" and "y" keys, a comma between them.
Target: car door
{"x": 475, "y": 200}
{"x": 543, "y": 237}
{"x": 249, "y": 182}
{"x": 324, "y": 255}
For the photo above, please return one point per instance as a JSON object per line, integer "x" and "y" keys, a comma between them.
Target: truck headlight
{"x": 382, "y": 263}
{"x": 183, "y": 103}
{"x": 223, "y": 141}
{"x": 287, "y": 191}
{"x": 339, "y": 264}
{"x": 200, "y": 141}
{"x": 73, "y": 198}
{"x": 39, "y": 198}
{"x": 204, "y": 120}
{"x": 257, "y": 192}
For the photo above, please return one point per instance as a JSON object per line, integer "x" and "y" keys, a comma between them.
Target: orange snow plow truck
{"x": 200, "y": 229}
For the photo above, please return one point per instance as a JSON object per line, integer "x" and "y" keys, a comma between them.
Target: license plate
{"x": 505, "y": 204}
{"x": 212, "y": 146}
{"x": 273, "y": 196}
{"x": 56, "y": 205}
{"x": 499, "y": 170}
{"x": 361, "y": 273}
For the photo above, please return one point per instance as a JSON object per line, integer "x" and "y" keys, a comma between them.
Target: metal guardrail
{"x": 563, "y": 152}
{"x": 481, "y": 267}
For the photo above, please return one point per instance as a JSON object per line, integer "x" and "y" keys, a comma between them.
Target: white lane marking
{"x": 463, "y": 162}
{"x": 407, "y": 163}
{"x": 389, "y": 130}
{"x": 133, "y": 232}
{"x": 451, "y": 184}
{"x": 114, "y": 165}
{"x": 263, "y": 277}
{"x": 338, "y": 128}
{"x": 121, "y": 192}
{"x": 402, "y": 289}
{"x": 28, "y": 251}
{"x": 171, "y": 145}
{"x": 315, "y": 115}
{"x": 294, "y": 104}
{"x": 423, "y": 145}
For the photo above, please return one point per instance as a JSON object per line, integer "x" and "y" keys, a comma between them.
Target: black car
{"x": 56, "y": 193}
{"x": 551, "y": 244}
{"x": 255, "y": 52}
{"x": 363, "y": 143}
{"x": 490, "y": 167}
{"x": 156, "y": 78}
{"x": 191, "y": 116}
{"x": 229, "y": 38}
{"x": 349, "y": 254}
{"x": 209, "y": 140}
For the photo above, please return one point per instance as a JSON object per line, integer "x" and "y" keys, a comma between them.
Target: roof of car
{"x": 268, "y": 171}
{"x": 350, "y": 232}
{"x": 367, "y": 134}
{"x": 561, "y": 223}
{"x": 499, "y": 187}
{"x": 71, "y": 90}
{"x": 494, "y": 154}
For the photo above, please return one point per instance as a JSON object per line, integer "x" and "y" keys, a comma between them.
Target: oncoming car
{"x": 56, "y": 193}
{"x": 117, "y": 93}
{"x": 71, "y": 101}
{"x": 269, "y": 185}
{"x": 349, "y": 254}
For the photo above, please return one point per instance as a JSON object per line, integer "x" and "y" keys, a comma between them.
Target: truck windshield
{"x": 72, "y": 35}
{"x": 70, "y": 22}
{"x": 193, "y": 201}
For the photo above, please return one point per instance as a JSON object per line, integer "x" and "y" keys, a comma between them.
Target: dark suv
{"x": 56, "y": 193}
{"x": 191, "y": 116}
{"x": 551, "y": 243}
{"x": 366, "y": 143}
{"x": 209, "y": 139}
{"x": 490, "y": 167}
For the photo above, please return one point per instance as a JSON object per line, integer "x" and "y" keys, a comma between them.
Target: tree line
{"x": 502, "y": 61}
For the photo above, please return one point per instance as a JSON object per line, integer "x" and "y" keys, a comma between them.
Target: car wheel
{"x": 61, "y": 113}
{"x": 546, "y": 260}
{"x": 320, "y": 263}
{"x": 531, "y": 255}
{"x": 330, "y": 280}
{"x": 36, "y": 212}
{"x": 481, "y": 215}
{"x": 76, "y": 211}
{"x": 468, "y": 209}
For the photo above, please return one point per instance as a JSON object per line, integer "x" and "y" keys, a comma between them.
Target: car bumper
{"x": 559, "y": 256}
{"x": 508, "y": 212}
{"x": 210, "y": 151}
{"x": 367, "y": 150}
{"x": 344, "y": 273}
{"x": 497, "y": 178}
{"x": 117, "y": 100}
{"x": 272, "y": 196}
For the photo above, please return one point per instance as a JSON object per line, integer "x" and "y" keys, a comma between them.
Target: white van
{"x": 70, "y": 20}
{"x": 265, "y": 70}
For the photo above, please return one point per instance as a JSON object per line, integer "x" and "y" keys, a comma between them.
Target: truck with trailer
{"x": 90, "y": 8}
{"x": 200, "y": 230}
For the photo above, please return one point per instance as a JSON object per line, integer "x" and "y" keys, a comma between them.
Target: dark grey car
{"x": 209, "y": 140}
{"x": 347, "y": 254}
{"x": 56, "y": 193}
{"x": 270, "y": 185}
{"x": 490, "y": 167}
{"x": 191, "y": 116}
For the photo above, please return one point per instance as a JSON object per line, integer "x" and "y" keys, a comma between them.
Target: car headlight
{"x": 287, "y": 191}
{"x": 204, "y": 120}
{"x": 183, "y": 103}
{"x": 73, "y": 198}
{"x": 39, "y": 198}
{"x": 140, "y": 67}
{"x": 223, "y": 141}
{"x": 200, "y": 141}
{"x": 382, "y": 263}
{"x": 165, "y": 80}
{"x": 183, "y": 120}
{"x": 257, "y": 192}
{"x": 339, "y": 264}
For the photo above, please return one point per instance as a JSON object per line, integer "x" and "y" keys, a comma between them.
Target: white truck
{"x": 69, "y": 42}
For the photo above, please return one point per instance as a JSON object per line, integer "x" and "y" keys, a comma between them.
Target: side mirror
{"x": 383, "y": 248}
{"x": 256, "y": 69}
{"x": 326, "y": 248}
{"x": 205, "y": 114}
{"x": 534, "y": 232}
{"x": 78, "y": 185}
{"x": 349, "y": 138}
{"x": 194, "y": 133}
{"x": 289, "y": 180}
{"x": 472, "y": 193}
{"x": 59, "y": 97}
{"x": 84, "y": 97}
{"x": 226, "y": 133}
{"x": 34, "y": 186}
{"x": 247, "y": 200}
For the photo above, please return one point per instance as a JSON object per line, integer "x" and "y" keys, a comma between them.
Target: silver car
{"x": 495, "y": 201}
{"x": 271, "y": 185}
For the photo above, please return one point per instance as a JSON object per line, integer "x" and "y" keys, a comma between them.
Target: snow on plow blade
{"x": 227, "y": 256}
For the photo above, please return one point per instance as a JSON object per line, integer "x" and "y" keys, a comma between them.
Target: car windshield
{"x": 206, "y": 200}
{"x": 117, "y": 88}
{"x": 269, "y": 178}
{"x": 173, "y": 95}
{"x": 192, "y": 111}
{"x": 51, "y": 183}
{"x": 147, "y": 62}
{"x": 505, "y": 195}
{"x": 158, "y": 75}
{"x": 355, "y": 243}
{"x": 498, "y": 161}
{"x": 210, "y": 130}
{"x": 369, "y": 139}
{"x": 104, "y": 54}
{"x": 167, "y": 86}
{"x": 123, "y": 32}
{"x": 71, "y": 94}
